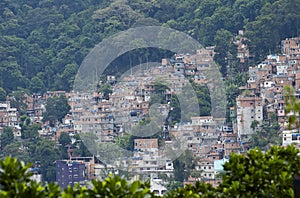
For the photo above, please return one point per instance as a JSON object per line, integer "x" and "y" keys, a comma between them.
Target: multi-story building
{"x": 8, "y": 115}
{"x": 249, "y": 109}
{"x": 291, "y": 47}
{"x": 68, "y": 173}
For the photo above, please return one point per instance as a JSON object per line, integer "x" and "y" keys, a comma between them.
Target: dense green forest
{"x": 42, "y": 43}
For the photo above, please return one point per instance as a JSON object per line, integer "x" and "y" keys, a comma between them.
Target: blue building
{"x": 70, "y": 173}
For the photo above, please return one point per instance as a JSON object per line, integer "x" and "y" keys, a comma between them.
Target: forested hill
{"x": 43, "y": 42}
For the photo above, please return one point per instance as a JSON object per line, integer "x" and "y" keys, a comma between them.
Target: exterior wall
{"x": 156, "y": 186}
{"x": 290, "y": 137}
{"x": 207, "y": 170}
{"x": 69, "y": 173}
{"x": 281, "y": 69}
{"x": 297, "y": 81}
{"x": 8, "y": 116}
{"x": 145, "y": 144}
{"x": 248, "y": 110}
{"x": 290, "y": 46}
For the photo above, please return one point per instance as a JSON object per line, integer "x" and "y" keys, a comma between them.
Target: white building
{"x": 158, "y": 186}
{"x": 290, "y": 137}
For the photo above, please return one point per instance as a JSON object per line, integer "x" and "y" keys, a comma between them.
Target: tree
{"x": 56, "y": 109}
{"x": 46, "y": 153}
{"x": 15, "y": 182}
{"x": 16, "y": 150}
{"x": 64, "y": 139}
{"x": 257, "y": 174}
{"x": 30, "y": 131}
{"x": 261, "y": 174}
{"x": 106, "y": 90}
{"x": 254, "y": 124}
{"x": 37, "y": 85}
{"x": 126, "y": 142}
{"x": 267, "y": 135}
{"x": 225, "y": 49}
{"x": 203, "y": 96}
{"x": 2, "y": 94}
{"x": 6, "y": 137}
{"x": 68, "y": 75}
{"x": 17, "y": 99}
{"x": 292, "y": 107}
{"x": 82, "y": 151}
{"x": 183, "y": 166}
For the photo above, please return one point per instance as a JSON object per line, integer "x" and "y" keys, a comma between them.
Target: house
{"x": 145, "y": 144}
{"x": 9, "y": 117}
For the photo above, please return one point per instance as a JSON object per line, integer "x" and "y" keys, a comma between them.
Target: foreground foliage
{"x": 258, "y": 174}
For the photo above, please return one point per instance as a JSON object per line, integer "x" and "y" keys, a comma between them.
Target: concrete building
{"x": 9, "y": 116}
{"x": 291, "y": 137}
{"x": 158, "y": 186}
{"x": 145, "y": 144}
{"x": 70, "y": 173}
{"x": 291, "y": 46}
{"x": 248, "y": 110}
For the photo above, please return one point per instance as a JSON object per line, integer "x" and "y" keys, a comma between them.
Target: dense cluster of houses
{"x": 209, "y": 139}
{"x": 263, "y": 96}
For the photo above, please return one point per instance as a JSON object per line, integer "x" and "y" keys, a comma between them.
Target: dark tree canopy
{"x": 56, "y": 109}
{"x": 6, "y": 137}
{"x": 42, "y": 44}
{"x": 2, "y": 94}
{"x": 64, "y": 139}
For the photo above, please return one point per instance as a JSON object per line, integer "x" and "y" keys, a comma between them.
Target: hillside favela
{"x": 222, "y": 121}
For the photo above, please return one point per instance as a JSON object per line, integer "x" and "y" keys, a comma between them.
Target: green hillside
{"x": 42, "y": 43}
